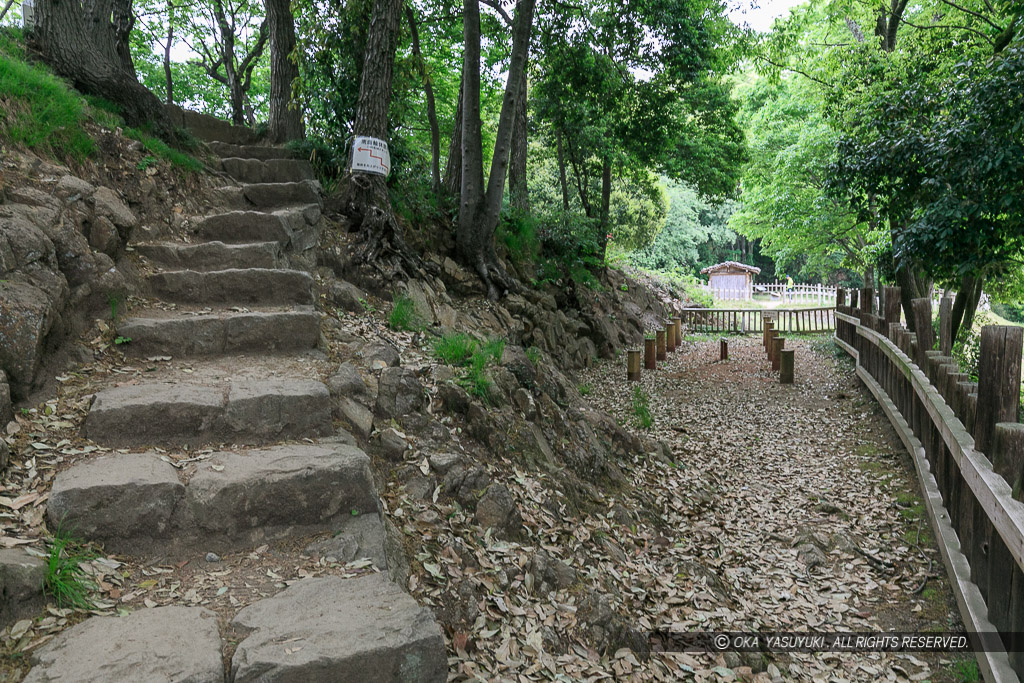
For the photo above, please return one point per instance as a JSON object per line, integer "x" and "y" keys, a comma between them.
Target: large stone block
{"x": 21, "y": 585}
{"x": 364, "y": 630}
{"x": 166, "y": 644}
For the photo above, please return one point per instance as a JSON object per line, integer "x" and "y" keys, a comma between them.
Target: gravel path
{"x": 795, "y": 505}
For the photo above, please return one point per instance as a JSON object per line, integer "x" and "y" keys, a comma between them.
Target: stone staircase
{"x": 235, "y": 313}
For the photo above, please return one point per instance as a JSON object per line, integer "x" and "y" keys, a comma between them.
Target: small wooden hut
{"x": 731, "y": 280}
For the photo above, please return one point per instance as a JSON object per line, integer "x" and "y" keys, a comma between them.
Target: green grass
{"x": 162, "y": 150}
{"x": 455, "y": 349}
{"x": 65, "y": 581}
{"x": 585, "y": 389}
{"x": 533, "y": 353}
{"x": 642, "y": 408}
{"x": 38, "y": 110}
{"x": 495, "y": 348}
{"x": 966, "y": 671}
{"x": 403, "y": 315}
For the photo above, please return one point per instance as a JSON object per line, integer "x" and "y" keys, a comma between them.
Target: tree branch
{"x": 974, "y": 14}
{"x": 794, "y": 70}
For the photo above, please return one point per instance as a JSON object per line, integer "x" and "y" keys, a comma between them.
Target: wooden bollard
{"x": 786, "y": 366}
{"x": 723, "y": 349}
{"x": 670, "y": 336}
{"x": 649, "y": 354}
{"x": 1008, "y": 456}
{"x": 767, "y": 333}
{"x": 922, "y": 309}
{"x": 660, "y": 338}
{"x": 778, "y": 344}
{"x": 998, "y": 381}
{"x": 633, "y": 366}
{"x": 677, "y": 324}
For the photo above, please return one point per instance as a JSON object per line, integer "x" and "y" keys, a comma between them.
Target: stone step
{"x": 158, "y": 644}
{"x": 135, "y": 502}
{"x": 179, "y": 334}
{"x": 213, "y": 255}
{"x": 239, "y": 286}
{"x": 262, "y": 152}
{"x": 361, "y": 629}
{"x": 269, "y": 171}
{"x": 176, "y": 414}
{"x": 21, "y": 585}
{"x": 294, "y": 228}
{"x": 275, "y": 195}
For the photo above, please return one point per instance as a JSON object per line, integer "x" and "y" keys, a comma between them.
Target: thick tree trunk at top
{"x": 479, "y": 211}
{"x": 606, "y": 205}
{"x": 80, "y": 42}
{"x": 428, "y": 92}
{"x": 561, "y": 172}
{"x": 517, "y": 188}
{"x": 168, "y": 77}
{"x": 285, "y": 115}
{"x": 363, "y": 197}
{"x": 965, "y": 305}
{"x": 453, "y": 167}
{"x": 869, "y": 277}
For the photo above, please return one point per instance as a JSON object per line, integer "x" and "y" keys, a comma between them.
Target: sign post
{"x": 370, "y": 155}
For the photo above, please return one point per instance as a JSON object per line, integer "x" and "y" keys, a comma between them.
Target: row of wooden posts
{"x": 656, "y": 349}
{"x": 775, "y": 346}
{"x": 971, "y": 443}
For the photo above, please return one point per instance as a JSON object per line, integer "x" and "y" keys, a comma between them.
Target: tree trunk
{"x": 479, "y": 212}
{"x": 363, "y": 197}
{"x": 520, "y": 144}
{"x": 453, "y": 167}
{"x": 80, "y": 41}
{"x": 168, "y": 77}
{"x": 869, "y": 277}
{"x": 285, "y": 115}
{"x": 965, "y": 305}
{"x": 606, "y": 204}
{"x": 428, "y": 92}
{"x": 561, "y": 172}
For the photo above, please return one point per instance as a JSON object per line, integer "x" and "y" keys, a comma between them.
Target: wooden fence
{"x": 823, "y": 295}
{"x": 968, "y": 449}
{"x": 742, "y": 321}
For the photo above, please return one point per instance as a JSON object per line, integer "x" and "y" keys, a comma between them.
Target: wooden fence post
{"x": 633, "y": 366}
{"x": 766, "y": 332}
{"x": 840, "y": 296}
{"x": 660, "y": 337}
{"x": 778, "y": 343}
{"x": 867, "y": 299}
{"x": 723, "y": 349}
{"x": 998, "y": 381}
{"x": 677, "y": 323}
{"x": 892, "y": 305}
{"x": 946, "y": 325}
{"x": 1008, "y": 456}
{"x": 649, "y": 354}
{"x": 786, "y": 366}
{"x": 853, "y": 298}
{"x": 670, "y": 337}
{"x": 923, "y": 327}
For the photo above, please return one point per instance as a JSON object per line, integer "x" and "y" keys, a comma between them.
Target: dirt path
{"x": 798, "y": 506}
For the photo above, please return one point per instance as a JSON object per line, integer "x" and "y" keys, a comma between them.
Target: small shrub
{"x": 65, "y": 581}
{"x": 145, "y": 162}
{"x": 122, "y": 340}
{"x": 403, "y": 314}
{"x": 533, "y": 353}
{"x": 642, "y": 408}
{"x": 478, "y": 383}
{"x": 454, "y": 349}
{"x": 585, "y": 389}
{"x": 967, "y": 352}
{"x": 495, "y": 348}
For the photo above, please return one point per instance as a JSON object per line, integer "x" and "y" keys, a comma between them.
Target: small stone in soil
{"x": 212, "y": 557}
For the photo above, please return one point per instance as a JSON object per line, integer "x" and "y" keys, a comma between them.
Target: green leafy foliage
{"x": 158, "y": 148}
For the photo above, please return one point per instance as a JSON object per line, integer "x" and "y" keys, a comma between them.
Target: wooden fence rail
{"x": 744, "y": 320}
{"x": 955, "y": 429}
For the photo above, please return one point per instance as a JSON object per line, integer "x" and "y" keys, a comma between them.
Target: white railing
{"x": 823, "y": 295}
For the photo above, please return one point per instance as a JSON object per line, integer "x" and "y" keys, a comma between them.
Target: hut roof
{"x": 730, "y": 265}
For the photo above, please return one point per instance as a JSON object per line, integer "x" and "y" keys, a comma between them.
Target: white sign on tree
{"x": 370, "y": 155}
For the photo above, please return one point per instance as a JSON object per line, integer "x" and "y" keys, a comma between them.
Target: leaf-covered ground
{"x": 786, "y": 508}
